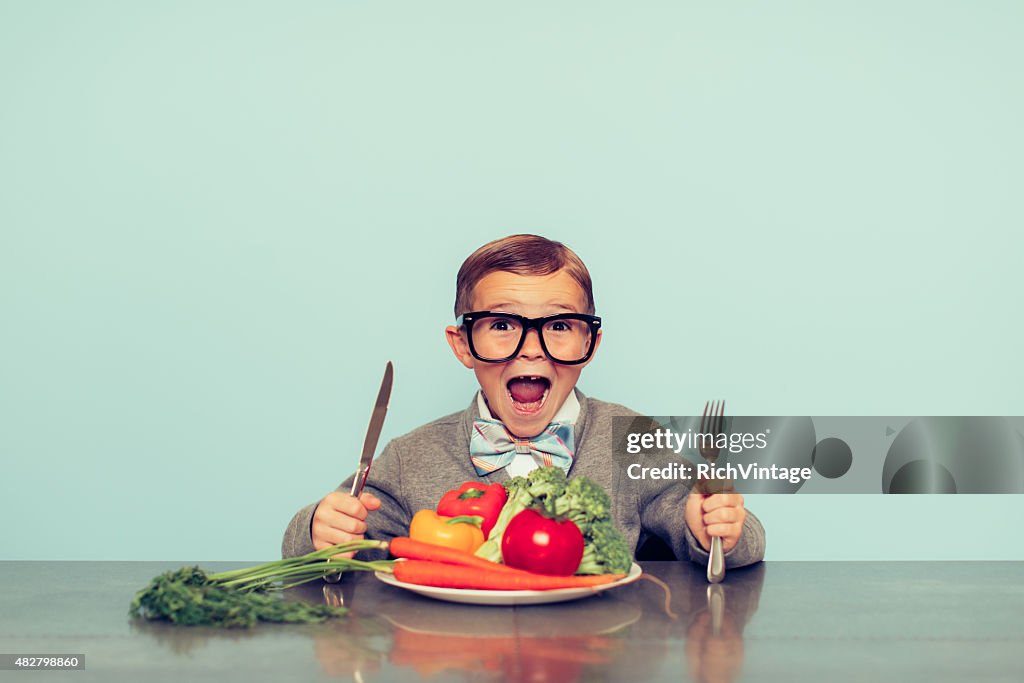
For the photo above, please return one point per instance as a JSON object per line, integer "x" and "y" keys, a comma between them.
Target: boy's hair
{"x": 522, "y": 255}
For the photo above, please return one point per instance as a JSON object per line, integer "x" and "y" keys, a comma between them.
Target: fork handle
{"x": 716, "y": 561}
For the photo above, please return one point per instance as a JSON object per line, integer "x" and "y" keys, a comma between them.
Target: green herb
{"x": 241, "y": 597}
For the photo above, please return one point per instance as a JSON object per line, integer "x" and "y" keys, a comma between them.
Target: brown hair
{"x": 522, "y": 255}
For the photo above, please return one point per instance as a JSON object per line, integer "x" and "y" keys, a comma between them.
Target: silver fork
{"x": 713, "y": 422}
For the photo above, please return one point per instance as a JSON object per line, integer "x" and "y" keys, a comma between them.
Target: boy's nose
{"x": 531, "y": 345}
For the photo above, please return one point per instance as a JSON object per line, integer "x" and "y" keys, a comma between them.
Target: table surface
{"x": 791, "y": 621}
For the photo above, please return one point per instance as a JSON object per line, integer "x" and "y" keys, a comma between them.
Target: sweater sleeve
{"x": 390, "y": 520}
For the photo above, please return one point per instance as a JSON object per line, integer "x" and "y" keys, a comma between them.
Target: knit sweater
{"x": 414, "y": 471}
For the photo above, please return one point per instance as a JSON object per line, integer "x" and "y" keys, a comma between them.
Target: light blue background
{"x": 219, "y": 220}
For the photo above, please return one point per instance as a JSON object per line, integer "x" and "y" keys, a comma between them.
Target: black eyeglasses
{"x": 566, "y": 338}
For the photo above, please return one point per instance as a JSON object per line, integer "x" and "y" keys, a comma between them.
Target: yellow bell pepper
{"x": 462, "y": 533}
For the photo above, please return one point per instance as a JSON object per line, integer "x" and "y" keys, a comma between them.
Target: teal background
{"x": 219, "y": 220}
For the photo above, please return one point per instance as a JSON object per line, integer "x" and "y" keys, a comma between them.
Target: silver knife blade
{"x": 380, "y": 409}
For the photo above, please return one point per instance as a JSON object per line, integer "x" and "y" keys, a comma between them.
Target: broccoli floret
{"x": 583, "y": 502}
{"x": 546, "y": 483}
{"x": 606, "y": 551}
{"x": 516, "y": 484}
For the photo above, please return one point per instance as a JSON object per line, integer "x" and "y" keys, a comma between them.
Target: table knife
{"x": 380, "y": 409}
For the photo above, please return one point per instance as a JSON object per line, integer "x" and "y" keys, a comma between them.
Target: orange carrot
{"x": 441, "y": 575}
{"x": 403, "y": 546}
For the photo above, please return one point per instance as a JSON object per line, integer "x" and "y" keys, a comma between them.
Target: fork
{"x": 713, "y": 422}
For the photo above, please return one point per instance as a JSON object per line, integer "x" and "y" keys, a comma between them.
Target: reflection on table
{"x": 782, "y": 621}
{"x": 567, "y": 642}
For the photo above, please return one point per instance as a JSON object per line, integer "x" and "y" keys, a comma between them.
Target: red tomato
{"x": 543, "y": 545}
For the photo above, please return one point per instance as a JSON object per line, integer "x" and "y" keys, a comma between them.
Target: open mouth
{"x": 528, "y": 393}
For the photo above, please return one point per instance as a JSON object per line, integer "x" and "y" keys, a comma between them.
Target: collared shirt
{"x": 524, "y": 462}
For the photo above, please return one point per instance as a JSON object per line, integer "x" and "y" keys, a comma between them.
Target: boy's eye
{"x": 502, "y": 324}
{"x": 559, "y": 326}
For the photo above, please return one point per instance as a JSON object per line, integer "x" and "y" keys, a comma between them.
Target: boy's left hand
{"x": 717, "y": 514}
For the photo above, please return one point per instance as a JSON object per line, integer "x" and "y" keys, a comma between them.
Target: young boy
{"x": 527, "y": 413}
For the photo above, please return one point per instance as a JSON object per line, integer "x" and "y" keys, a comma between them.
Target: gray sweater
{"x": 416, "y": 469}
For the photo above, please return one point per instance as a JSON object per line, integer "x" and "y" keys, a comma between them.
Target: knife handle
{"x": 357, "y": 487}
{"x": 716, "y": 561}
{"x": 359, "y": 481}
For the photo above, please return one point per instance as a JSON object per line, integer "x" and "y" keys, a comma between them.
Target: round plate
{"x": 482, "y": 597}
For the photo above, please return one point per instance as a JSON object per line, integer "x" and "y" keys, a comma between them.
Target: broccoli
{"x": 583, "y": 502}
{"x": 590, "y": 508}
{"x": 580, "y": 500}
{"x": 516, "y": 486}
{"x": 546, "y": 483}
{"x": 606, "y": 551}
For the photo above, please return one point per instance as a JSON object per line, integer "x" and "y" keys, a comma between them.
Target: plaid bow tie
{"x": 491, "y": 447}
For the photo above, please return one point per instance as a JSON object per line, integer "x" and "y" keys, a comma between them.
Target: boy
{"x": 527, "y": 413}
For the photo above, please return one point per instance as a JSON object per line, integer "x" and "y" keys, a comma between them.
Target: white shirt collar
{"x": 567, "y": 414}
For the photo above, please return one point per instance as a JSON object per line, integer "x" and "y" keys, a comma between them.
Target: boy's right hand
{"x": 340, "y": 518}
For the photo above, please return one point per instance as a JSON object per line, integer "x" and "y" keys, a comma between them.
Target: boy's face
{"x": 532, "y": 296}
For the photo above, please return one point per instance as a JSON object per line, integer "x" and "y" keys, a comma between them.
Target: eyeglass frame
{"x": 466, "y": 321}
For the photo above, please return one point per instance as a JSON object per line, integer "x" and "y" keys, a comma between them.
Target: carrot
{"x": 441, "y": 575}
{"x": 403, "y": 546}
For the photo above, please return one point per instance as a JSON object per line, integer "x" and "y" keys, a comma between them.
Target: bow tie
{"x": 491, "y": 447}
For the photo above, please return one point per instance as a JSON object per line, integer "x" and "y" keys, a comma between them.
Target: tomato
{"x": 543, "y": 545}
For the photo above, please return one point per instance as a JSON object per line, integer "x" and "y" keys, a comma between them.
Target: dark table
{"x": 780, "y": 621}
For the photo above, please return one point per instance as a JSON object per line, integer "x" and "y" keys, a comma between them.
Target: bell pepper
{"x": 475, "y": 498}
{"x": 462, "y": 532}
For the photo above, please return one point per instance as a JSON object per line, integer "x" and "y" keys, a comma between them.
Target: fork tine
{"x": 704, "y": 418}
{"x": 721, "y": 417}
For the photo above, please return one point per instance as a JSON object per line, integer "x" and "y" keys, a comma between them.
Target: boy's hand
{"x": 340, "y": 518}
{"x": 718, "y": 514}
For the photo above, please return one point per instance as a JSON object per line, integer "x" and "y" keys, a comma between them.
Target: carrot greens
{"x": 241, "y": 597}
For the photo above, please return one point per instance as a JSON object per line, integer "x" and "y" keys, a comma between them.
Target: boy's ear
{"x": 460, "y": 348}
{"x": 597, "y": 343}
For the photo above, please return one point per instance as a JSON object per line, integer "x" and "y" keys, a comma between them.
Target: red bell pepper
{"x": 475, "y": 499}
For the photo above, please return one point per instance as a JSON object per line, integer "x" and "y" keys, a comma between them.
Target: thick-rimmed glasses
{"x": 566, "y": 338}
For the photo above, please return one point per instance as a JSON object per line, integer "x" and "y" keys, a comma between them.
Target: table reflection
{"x": 625, "y": 634}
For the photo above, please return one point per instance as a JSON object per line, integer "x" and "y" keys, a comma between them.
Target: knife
{"x": 380, "y": 409}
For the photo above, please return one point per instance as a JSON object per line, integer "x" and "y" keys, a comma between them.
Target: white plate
{"x": 482, "y": 597}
